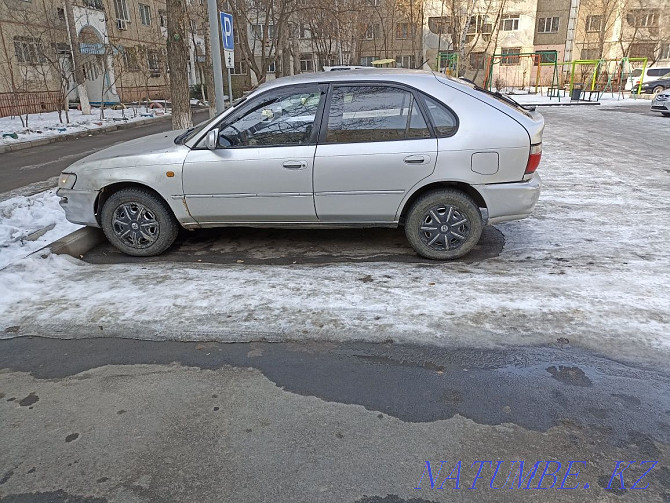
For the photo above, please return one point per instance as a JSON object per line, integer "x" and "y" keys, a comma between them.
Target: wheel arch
{"x": 431, "y": 187}
{"x": 113, "y": 188}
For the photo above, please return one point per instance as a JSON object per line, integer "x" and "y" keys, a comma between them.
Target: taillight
{"x": 534, "y": 158}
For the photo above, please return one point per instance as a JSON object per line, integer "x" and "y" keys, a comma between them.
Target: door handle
{"x": 294, "y": 164}
{"x": 417, "y": 159}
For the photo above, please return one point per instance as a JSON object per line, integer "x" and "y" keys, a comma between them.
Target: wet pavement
{"x": 130, "y": 420}
{"x": 293, "y": 246}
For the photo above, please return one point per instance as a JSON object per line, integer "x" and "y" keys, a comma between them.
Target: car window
{"x": 374, "y": 113}
{"x": 444, "y": 120}
{"x": 274, "y": 121}
{"x": 636, "y": 73}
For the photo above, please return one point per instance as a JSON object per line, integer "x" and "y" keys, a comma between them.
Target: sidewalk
{"x": 12, "y": 147}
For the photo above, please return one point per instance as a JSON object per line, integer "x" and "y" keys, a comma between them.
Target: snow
{"x": 46, "y": 125}
{"x": 607, "y": 99}
{"x": 22, "y": 216}
{"x": 592, "y": 265}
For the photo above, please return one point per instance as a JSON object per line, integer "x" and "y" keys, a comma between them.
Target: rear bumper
{"x": 79, "y": 206}
{"x": 510, "y": 201}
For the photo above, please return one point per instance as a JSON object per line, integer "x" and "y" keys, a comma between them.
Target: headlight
{"x": 66, "y": 180}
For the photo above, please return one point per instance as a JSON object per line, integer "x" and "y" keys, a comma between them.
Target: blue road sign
{"x": 227, "y": 31}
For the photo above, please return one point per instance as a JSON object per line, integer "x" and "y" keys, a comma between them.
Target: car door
{"x": 261, "y": 170}
{"x": 374, "y": 146}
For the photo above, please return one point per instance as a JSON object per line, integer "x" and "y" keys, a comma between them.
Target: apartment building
{"x": 122, "y": 44}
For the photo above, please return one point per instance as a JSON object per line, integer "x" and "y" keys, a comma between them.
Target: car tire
{"x": 443, "y": 225}
{"x": 657, "y": 90}
{"x": 138, "y": 222}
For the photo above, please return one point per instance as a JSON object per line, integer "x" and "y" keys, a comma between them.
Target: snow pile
{"x": 608, "y": 99}
{"x": 592, "y": 265}
{"x": 24, "y": 219}
{"x": 46, "y": 125}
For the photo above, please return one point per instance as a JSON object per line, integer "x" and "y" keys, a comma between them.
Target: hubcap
{"x": 444, "y": 228}
{"x": 135, "y": 225}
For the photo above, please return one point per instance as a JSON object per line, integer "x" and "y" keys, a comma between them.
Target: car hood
{"x": 149, "y": 150}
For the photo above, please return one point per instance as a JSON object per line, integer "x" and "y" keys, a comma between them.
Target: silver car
{"x": 370, "y": 148}
{"x": 661, "y": 103}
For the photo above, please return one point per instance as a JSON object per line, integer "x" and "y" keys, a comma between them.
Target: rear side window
{"x": 444, "y": 120}
{"x": 657, "y": 72}
{"x": 374, "y": 113}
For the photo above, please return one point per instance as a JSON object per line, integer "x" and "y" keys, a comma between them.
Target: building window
{"x": 154, "y": 62}
{"x": 510, "y": 56}
{"x": 304, "y": 32}
{"x": 548, "y": 24}
{"x": 373, "y": 31}
{"x": 402, "y": 31}
{"x": 93, "y": 4}
{"x": 477, "y": 60}
{"x": 405, "y": 61}
{"x": 145, "y": 14}
{"x": 162, "y": 17}
{"x": 372, "y": 3}
{"x": 240, "y": 68}
{"x": 60, "y": 15}
{"x": 480, "y": 24}
{"x": 439, "y": 25}
{"x": 665, "y": 51}
{"x": 509, "y": 22}
{"x": 272, "y": 67}
{"x": 130, "y": 62}
{"x": 643, "y": 18}
{"x": 367, "y": 60}
{"x": 121, "y": 9}
{"x": 259, "y": 30}
{"x": 589, "y": 54}
{"x": 306, "y": 63}
{"x": 28, "y": 50}
{"x": 594, "y": 23}
{"x": 642, "y": 50}
{"x": 548, "y": 57}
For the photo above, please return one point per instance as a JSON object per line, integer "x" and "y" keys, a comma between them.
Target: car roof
{"x": 360, "y": 75}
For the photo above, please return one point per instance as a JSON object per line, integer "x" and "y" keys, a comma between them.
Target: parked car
{"x": 650, "y": 75}
{"x": 656, "y": 86}
{"x": 370, "y": 148}
{"x": 661, "y": 103}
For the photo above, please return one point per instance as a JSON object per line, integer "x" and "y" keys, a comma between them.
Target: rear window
{"x": 636, "y": 73}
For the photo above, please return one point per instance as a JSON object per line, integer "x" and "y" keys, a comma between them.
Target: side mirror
{"x": 212, "y": 139}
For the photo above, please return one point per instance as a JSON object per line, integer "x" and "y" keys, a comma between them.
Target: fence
{"x": 28, "y": 103}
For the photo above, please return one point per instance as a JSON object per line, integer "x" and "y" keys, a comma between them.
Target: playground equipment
{"x": 510, "y": 63}
{"x": 602, "y": 75}
{"x": 448, "y": 62}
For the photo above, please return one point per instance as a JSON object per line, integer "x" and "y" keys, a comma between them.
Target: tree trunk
{"x": 79, "y": 76}
{"x": 177, "y": 53}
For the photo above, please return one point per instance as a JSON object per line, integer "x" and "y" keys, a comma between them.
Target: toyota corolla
{"x": 370, "y": 148}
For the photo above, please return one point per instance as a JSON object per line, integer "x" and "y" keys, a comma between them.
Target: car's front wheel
{"x": 443, "y": 225}
{"x": 657, "y": 90}
{"x": 138, "y": 222}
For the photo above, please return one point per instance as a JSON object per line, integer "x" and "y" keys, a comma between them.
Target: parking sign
{"x": 228, "y": 39}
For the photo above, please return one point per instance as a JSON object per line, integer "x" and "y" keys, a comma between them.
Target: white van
{"x": 650, "y": 74}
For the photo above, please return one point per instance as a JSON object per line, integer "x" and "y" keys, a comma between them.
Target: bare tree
{"x": 177, "y": 50}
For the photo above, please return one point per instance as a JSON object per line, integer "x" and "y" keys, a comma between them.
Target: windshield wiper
{"x": 179, "y": 140}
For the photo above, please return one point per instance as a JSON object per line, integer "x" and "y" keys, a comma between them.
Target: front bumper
{"x": 510, "y": 201}
{"x": 660, "y": 105}
{"x": 79, "y": 206}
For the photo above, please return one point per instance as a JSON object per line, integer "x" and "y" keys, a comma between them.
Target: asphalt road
{"x": 37, "y": 164}
{"x": 113, "y": 420}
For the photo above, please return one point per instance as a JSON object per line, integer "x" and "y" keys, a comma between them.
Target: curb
{"x": 70, "y": 136}
{"x": 77, "y": 243}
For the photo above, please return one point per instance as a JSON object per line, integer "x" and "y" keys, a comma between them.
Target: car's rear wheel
{"x": 443, "y": 225}
{"x": 657, "y": 89}
{"x": 138, "y": 222}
